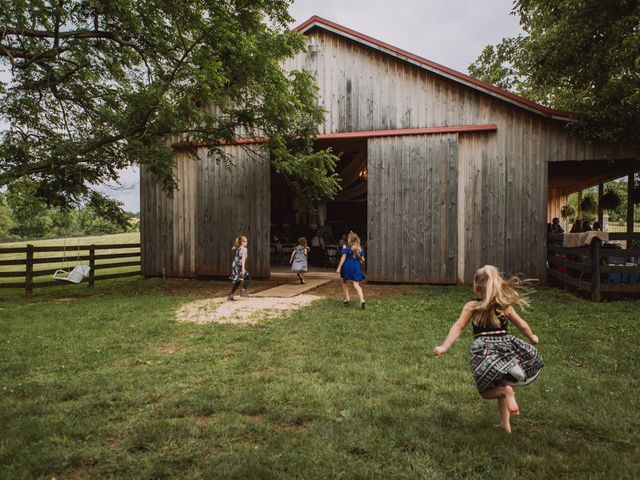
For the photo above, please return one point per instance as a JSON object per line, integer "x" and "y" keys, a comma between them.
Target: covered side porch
{"x": 604, "y": 263}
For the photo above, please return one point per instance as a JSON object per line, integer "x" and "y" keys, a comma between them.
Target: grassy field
{"x": 70, "y": 255}
{"x": 111, "y": 386}
{"x": 622, "y": 227}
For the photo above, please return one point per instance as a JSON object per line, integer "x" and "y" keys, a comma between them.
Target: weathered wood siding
{"x": 191, "y": 234}
{"x": 168, "y": 228}
{"x": 363, "y": 89}
{"x": 501, "y": 189}
{"x": 233, "y": 200}
{"x": 502, "y": 185}
{"x": 412, "y": 210}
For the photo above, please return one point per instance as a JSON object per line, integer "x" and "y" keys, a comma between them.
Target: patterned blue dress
{"x": 299, "y": 263}
{"x": 351, "y": 268}
{"x": 236, "y": 266}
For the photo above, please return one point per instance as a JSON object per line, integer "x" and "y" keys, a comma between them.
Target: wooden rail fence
{"x": 71, "y": 255}
{"x": 590, "y": 268}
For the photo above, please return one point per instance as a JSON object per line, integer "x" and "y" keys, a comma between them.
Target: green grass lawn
{"x": 110, "y": 386}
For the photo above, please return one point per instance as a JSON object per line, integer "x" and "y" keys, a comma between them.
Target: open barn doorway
{"x": 329, "y": 220}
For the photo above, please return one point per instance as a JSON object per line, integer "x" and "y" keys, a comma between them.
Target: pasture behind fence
{"x": 34, "y": 263}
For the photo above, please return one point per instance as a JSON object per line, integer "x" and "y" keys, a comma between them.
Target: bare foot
{"x": 510, "y": 398}
{"x": 505, "y": 416}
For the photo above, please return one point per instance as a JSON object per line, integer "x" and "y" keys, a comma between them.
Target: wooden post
{"x": 629, "y": 208}
{"x": 596, "y": 243}
{"x": 28, "y": 276}
{"x": 92, "y": 265}
{"x": 600, "y": 211}
{"x": 579, "y": 211}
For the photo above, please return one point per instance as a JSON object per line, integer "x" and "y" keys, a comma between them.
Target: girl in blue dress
{"x": 350, "y": 267}
{"x": 298, "y": 258}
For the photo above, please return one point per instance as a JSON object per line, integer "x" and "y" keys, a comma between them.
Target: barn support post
{"x": 629, "y": 208}
{"x": 600, "y": 211}
{"x": 596, "y": 245}
{"x": 579, "y": 214}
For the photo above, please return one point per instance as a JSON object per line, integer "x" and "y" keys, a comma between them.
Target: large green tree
{"x": 94, "y": 86}
{"x": 6, "y": 219}
{"x": 581, "y": 56}
{"x": 32, "y": 218}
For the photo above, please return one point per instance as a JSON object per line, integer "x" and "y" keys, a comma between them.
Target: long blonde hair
{"x": 354, "y": 242}
{"x": 496, "y": 294}
{"x": 238, "y": 241}
{"x": 302, "y": 241}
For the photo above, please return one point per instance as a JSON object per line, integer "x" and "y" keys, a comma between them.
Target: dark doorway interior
{"x": 348, "y": 211}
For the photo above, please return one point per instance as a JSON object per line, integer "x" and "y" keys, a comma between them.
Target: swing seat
{"x": 74, "y": 276}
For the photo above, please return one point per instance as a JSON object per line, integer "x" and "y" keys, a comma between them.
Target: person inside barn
{"x": 239, "y": 272}
{"x": 499, "y": 361}
{"x": 555, "y": 226}
{"x": 577, "y": 226}
{"x": 350, "y": 267}
{"x": 318, "y": 253}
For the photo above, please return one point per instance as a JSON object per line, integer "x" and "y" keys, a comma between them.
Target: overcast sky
{"x": 449, "y": 32}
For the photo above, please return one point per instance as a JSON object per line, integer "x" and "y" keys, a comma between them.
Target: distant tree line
{"x": 23, "y": 216}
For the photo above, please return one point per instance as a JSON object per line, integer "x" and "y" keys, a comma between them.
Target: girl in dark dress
{"x": 239, "y": 272}
{"x": 499, "y": 361}
{"x": 350, "y": 267}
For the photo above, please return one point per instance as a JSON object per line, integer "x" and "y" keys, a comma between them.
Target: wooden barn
{"x": 442, "y": 173}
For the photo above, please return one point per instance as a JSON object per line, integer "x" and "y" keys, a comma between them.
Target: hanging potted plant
{"x": 610, "y": 200}
{"x": 588, "y": 204}
{"x": 567, "y": 212}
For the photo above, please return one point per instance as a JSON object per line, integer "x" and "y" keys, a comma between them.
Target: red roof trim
{"x": 488, "y": 127}
{"x": 468, "y": 80}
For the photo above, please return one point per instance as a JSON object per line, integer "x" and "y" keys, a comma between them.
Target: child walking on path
{"x": 499, "y": 360}
{"x": 239, "y": 272}
{"x": 350, "y": 268}
{"x": 298, "y": 258}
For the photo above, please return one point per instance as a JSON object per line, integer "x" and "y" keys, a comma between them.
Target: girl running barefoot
{"x": 298, "y": 258}
{"x": 499, "y": 361}
{"x": 239, "y": 272}
{"x": 349, "y": 267}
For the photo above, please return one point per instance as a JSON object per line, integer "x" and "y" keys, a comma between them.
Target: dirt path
{"x": 245, "y": 310}
{"x": 216, "y": 309}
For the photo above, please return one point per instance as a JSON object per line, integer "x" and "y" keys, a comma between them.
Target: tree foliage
{"x": 23, "y": 215}
{"x": 95, "y": 86}
{"x": 581, "y": 56}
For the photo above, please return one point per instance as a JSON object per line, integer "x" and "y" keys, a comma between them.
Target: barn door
{"x": 233, "y": 201}
{"x": 412, "y": 213}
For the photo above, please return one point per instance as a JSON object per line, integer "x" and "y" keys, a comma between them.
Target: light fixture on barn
{"x": 312, "y": 46}
{"x": 363, "y": 174}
